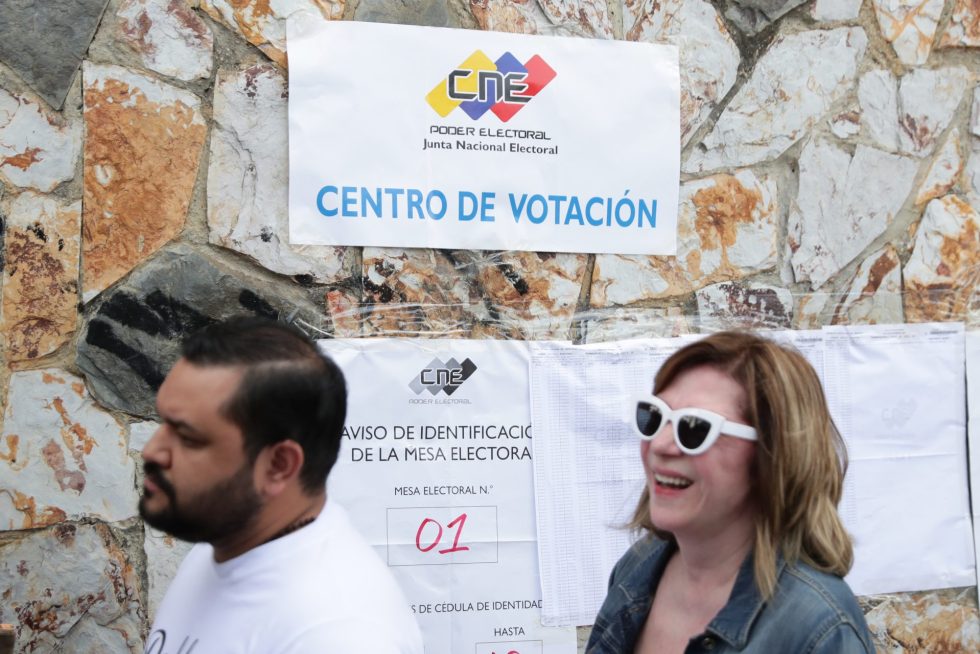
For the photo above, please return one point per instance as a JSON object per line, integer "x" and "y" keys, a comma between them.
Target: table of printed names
{"x": 588, "y": 474}
{"x": 896, "y": 392}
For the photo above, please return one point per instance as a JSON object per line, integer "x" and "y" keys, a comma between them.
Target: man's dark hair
{"x": 289, "y": 390}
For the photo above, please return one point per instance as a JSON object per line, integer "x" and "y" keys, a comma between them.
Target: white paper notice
{"x": 587, "y": 473}
{"x": 973, "y": 431}
{"x": 424, "y": 137}
{"x": 435, "y": 470}
{"x": 895, "y": 391}
{"x": 897, "y": 394}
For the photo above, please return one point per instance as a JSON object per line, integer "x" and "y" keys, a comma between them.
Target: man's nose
{"x": 156, "y": 449}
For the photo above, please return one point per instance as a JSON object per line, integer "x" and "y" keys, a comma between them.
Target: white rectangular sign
{"x": 896, "y": 393}
{"x": 973, "y": 432}
{"x": 426, "y": 137}
{"x": 435, "y": 471}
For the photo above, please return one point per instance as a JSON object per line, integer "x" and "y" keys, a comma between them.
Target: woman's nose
{"x": 663, "y": 442}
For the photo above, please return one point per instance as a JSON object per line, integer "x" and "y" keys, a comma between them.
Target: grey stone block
{"x": 44, "y": 42}
{"x": 753, "y": 16}
{"x": 432, "y": 13}
{"x": 134, "y": 337}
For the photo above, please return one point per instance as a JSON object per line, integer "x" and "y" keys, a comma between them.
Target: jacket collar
{"x": 640, "y": 581}
{"x": 732, "y": 624}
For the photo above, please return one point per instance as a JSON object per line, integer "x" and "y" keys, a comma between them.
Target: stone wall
{"x": 831, "y": 174}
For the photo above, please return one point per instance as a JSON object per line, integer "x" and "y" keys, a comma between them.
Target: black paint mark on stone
{"x": 382, "y": 293}
{"x": 513, "y": 277}
{"x": 100, "y": 334}
{"x": 181, "y": 319}
{"x": 3, "y": 242}
{"x": 256, "y": 305}
{"x": 155, "y": 315}
{"x": 134, "y": 337}
{"x": 384, "y": 268}
{"x": 266, "y": 234}
{"x": 38, "y": 231}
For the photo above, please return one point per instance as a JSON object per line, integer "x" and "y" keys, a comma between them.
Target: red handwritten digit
{"x": 461, "y": 519}
{"x": 418, "y": 535}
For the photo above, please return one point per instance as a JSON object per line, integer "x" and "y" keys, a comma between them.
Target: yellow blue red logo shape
{"x": 480, "y": 84}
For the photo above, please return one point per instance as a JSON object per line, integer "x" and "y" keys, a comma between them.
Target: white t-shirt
{"x": 319, "y": 590}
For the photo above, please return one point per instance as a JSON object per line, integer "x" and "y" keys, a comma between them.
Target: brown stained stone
{"x": 517, "y": 16}
{"x": 579, "y": 17}
{"x": 846, "y": 124}
{"x": 622, "y": 279}
{"x": 71, "y": 588}
{"x": 533, "y": 291}
{"x": 735, "y": 224}
{"x": 945, "y": 169}
{"x": 10, "y": 456}
{"x": 964, "y": 25}
{"x": 40, "y": 277}
{"x": 927, "y": 102}
{"x": 750, "y": 306}
{"x": 38, "y": 147}
{"x": 344, "y": 308}
{"x": 932, "y": 622}
{"x": 494, "y": 331}
{"x": 810, "y": 310}
{"x": 624, "y": 323}
{"x": 142, "y": 149}
{"x": 910, "y": 26}
{"x": 169, "y": 36}
{"x": 27, "y": 507}
{"x": 263, "y": 22}
{"x": 71, "y": 458}
{"x": 943, "y": 273}
{"x": 418, "y": 292}
{"x": 589, "y": 18}
{"x": 875, "y": 295}
{"x": 726, "y": 228}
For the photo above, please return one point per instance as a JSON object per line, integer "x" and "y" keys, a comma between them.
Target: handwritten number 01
{"x": 458, "y": 520}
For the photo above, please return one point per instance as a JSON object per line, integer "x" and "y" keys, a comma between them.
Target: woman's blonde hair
{"x": 799, "y": 458}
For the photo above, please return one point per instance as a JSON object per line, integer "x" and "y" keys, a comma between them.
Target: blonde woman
{"x": 743, "y": 549}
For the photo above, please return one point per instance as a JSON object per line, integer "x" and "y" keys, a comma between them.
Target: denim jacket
{"x": 811, "y": 612}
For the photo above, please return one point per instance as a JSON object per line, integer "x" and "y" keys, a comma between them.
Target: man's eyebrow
{"x": 179, "y": 424}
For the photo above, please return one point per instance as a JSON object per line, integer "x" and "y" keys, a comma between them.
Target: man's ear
{"x": 277, "y": 466}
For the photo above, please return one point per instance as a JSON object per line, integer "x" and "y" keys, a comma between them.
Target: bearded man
{"x": 251, "y": 421}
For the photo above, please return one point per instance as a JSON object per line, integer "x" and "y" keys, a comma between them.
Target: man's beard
{"x": 225, "y": 509}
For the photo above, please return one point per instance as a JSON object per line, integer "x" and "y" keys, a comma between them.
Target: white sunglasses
{"x": 695, "y": 430}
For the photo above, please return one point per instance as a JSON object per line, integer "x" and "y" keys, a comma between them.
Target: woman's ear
{"x": 277, "y": 466}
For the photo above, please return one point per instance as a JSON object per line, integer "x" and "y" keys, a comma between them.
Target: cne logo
{"x": 479, "y": 84}
{"x": 442, "y": 376}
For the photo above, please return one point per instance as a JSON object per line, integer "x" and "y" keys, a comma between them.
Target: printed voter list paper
{"x": 896, "y": 393}
{"x": 426, "y": 137}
